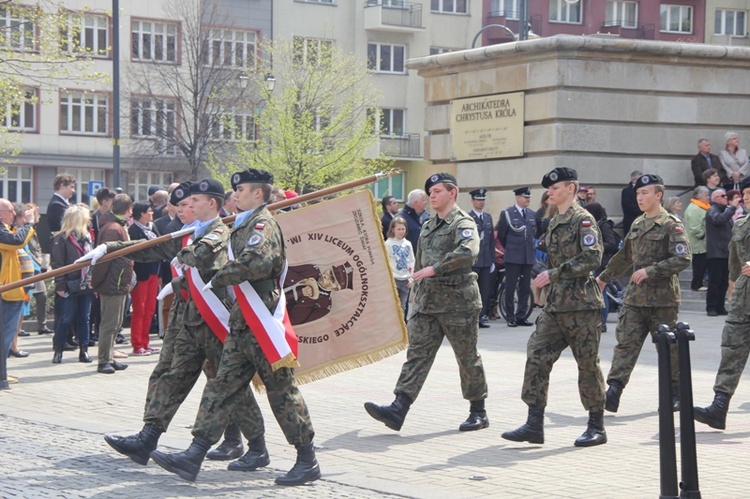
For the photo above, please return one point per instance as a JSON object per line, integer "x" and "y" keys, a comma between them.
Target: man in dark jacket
{"x": 484, "y": 266}
{"x": 629, "y": 203}
{"x": 390, "y": 209}
{"x": 703, "y": 161}
{"x": 718, "y": 234}
{"x": 65, "y": 188}
{"x": 112, "y": 281}
{"x": 415, "y": 205}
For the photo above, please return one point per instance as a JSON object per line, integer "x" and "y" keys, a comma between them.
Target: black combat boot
{"x": 83, "y": 354}
{"x": 715, "y": 415}
{"x": 187, "y": 463}
{"x": 392, "y": 415}
{"x": 532, "y": 431}
{"x": 231, "y": 447}
{"x": 57, "y": 357}
{"x": 137, "y": 447}
{"x": 255, "y": 457}
{"x": 477, "y": 417}
{"x": 305, "y": 470}
{"x": 594, "y": 434}
{"x": 614, "y": 392}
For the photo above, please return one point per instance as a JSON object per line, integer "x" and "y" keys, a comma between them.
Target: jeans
{"x": 73, "y": 309}
{"x": 10, "y": 315}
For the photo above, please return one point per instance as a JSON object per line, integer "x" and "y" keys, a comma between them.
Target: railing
{"x": 407, "y": 145}
{"x": 507, "y": 14}
{"x": 398, "y": 12}
{"x": 642, "y": 32}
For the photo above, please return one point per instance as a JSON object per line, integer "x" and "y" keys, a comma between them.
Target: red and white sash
{"x": 274, "y": 332}
{"x": 177, "y": 272}
{"x": 209, "y": 305}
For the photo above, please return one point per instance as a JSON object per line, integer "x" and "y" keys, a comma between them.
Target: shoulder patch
{"x": 588, "y": 239}
{"x": 466, "y": 233}
{"x": 680, "y": 249}
{"x": 219, "y": 231}
{"x": 586, "y": 223}
{"x": 260, "y": 225}
{"x": 212, "y": 237}
{"x": 255, "y": 239}
{"x": 678, "y": 228}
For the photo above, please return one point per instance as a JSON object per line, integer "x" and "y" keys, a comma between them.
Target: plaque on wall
{"x": 487, "y": 127}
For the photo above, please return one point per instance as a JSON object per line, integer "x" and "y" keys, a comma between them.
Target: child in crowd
{"x": 401, "y": 257}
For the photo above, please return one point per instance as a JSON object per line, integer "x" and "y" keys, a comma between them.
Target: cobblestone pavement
{"x": 52, "y": 423}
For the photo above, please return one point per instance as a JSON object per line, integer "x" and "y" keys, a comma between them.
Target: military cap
{"x": 559, "y": 174}
{"x": 251, "y": 175}
{"x": 523, "y": 191}
{"x": 439, "y": 178}
{"x": 180, "y": 193}
{"x": 745, "y": 184}
{"x": 647, "y": 179}
{"x": 478, "y": 194}
{"x": 152, "y": 190}
{"x": 344, "y": 275}
{"x": 208, "y": 186}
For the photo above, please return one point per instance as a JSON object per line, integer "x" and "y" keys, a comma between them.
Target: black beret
{"x": 745, "y": 184}
{"x": 559, "y": 174}
{"x": 523, "y": 191}
{"x": 647, "y": 179}
{"x": 251, "y": 175}
{"x": 478, "y": 194}
{"x": 439, "y": 178}
{"x": 209, "y": 186}
{"x": 180, "y": 193}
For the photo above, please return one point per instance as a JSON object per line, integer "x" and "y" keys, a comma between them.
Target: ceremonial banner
{"x": 340, "y": 293}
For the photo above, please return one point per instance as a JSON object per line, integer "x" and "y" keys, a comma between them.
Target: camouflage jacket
{"x": 659, "y": 245}
{"x": 574, "y": 251}
{"x": 259, "y": 257}
{"x": 739, "y": 254}
{"x": 450, "y": 245}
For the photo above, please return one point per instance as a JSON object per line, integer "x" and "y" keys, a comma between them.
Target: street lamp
{"x": 270, "y": 82}
{"x": 244, "y": 79}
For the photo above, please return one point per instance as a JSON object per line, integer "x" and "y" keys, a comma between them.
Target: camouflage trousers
{"x": 242, "y": 359}
{"x": 633, "y": 327}
{"x": 555, "y": 331}
{"x": 735, "y": 347}
{"x": 167, "y": 348}
{"x": 426, "y": 333}
{"x": 193, "y": 346}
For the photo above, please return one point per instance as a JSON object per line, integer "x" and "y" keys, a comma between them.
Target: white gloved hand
{"x": 176, "y": 264}
{"x": 94, "y": 254}
{"x": 208, "y": 286}
{"x": 165, "y": 291}
{"x": 492, "y": 268}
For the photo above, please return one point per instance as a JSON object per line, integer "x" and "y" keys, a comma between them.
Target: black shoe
{"x": 187, "y": 463}
{"x": 23, "y": 333}
{"x": 120, "y": 339}
{"x": 712, "y": 313}
{"x": 256, "y": 457}
{"x": 137, "y": 447}
{"x": 68, "y": 347}
{"x": 604, "y": 328}
{"x": 57, "y": 357}
{"x": 532, "y": 431}
{"x": 675, "y": 403}
{"x": 523, "y": 322}
{"x": 92, "y": 343}
{"x": 723, "y": 311}
{"x": 594, "y": 434}
{"x": 83, "y": 356}
{"x": 19, "y": 354}
{"x": 484, "y": 325}
{"x": 512, "y": 323}
{"x": 391, "y": 415}
{"x": 226, "y": 451}
{"x": 118, "y": 366}
{"x": 45, "y": 330}
{"x": 105, "y": 368}
{"x": 614, "y": 392}
{"x": 305, "y": 470}
{"x": 715, "y": 415}
{"x": 475, "y": 421}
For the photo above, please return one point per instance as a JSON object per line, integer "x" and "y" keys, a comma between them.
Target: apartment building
{"x": 726, "y": 22}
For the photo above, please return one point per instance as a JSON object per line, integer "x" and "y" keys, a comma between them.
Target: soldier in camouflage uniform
{"x": 445, "y": 303}
{"x": 194, "y": 341}
{"x": 257, "y": 244}
{"x": 735, "y": 340}
{"x": 571, "y": 315}
{"x": 656, "y": 249}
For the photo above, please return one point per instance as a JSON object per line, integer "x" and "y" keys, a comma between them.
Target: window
{"x": 676, "y": 19}
{"x": 15, "y": 184}
{"x": 439, "y": 50}
{"x": 154, "y": 41}
{"x": 86, "y": 33}
{"x": 16, "y": 30}
{"x": 561, "y": 11}
{"x": 504, "y": 8}
{"x": 313, "y": 51}
{"x": 450, "y": 6}
{"x": 315, "y": 1}
{"x": 83, "y": 113}
{"x": 233, "y": 49}
{"x": 83, "y": 175}
{"x": 623, "y": 14}
{"x": 21, "y": 115}
{"x": 384, "y": 58}
{"x": 153, "y": 118}
{"x": 730, "y": 22}
{"x": 233, "y": 126}
{"x": 391, "y": 122}
{"x": 140, "y": 181}
{"x": 391, "y": 186}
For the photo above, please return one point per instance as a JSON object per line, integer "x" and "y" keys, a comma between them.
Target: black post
{"x": 667, "y": 454}
{"x": 688, "y": 457}
{"x": 116, "y": 93}
{"x": 3, "y": 358}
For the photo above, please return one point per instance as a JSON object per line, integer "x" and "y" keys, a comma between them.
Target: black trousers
{"x": 699, "y": 271}
{"x": 517, "y": 277}
{"x": 718, "y": 282}
{"x": 484, "y": 280}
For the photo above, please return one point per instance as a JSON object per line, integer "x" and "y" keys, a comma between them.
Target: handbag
{"x": 82, "y": 285}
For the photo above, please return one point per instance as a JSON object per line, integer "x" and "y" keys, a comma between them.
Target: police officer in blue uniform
{"x": 486, "y": 258}
{"x": 516, "y": 228}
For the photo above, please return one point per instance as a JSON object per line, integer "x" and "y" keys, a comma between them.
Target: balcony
{"x": 393, "y": 15}
{"x": 401, "y": 146}
{"x": 618, "y": 28}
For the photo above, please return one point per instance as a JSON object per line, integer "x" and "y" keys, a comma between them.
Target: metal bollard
{"x": 667, "y": 454}
{"x": 688, "y": 457}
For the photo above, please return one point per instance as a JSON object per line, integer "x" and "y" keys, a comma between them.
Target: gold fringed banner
{"x": 339, "y": 289}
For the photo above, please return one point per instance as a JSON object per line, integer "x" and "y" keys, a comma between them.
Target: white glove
{"x": 176, "y": 264}
{"x": 208, "y": 286}
{"x": 165, "y": 291}
{"x": 94, "y": 255}
{"x": 492, "y": 268}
